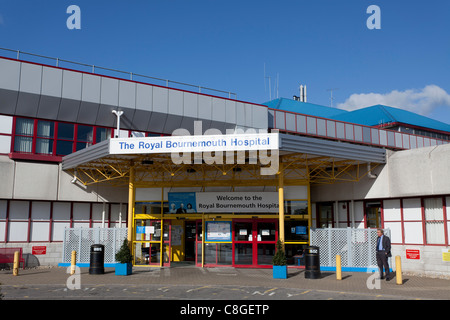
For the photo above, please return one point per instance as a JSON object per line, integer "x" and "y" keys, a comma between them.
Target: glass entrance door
{"x": 254, "y": 242}
{"x": 373, "y": 214}
{"x": 243, "y": 243}
{"x": 190, "y": 232}
{"x": 267, "y": 235}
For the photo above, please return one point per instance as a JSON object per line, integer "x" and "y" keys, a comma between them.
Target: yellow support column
{"x": 203, "y": 239}
{"x": 281, "y": 203}
{"x": 131, "y": 198}
{"x": 309, "y": 213}
{"x": 398, "y": 270}
{"x": 73, "y": 262}
{"x": 16, "y": 263}
{"x": 338, "y": 268}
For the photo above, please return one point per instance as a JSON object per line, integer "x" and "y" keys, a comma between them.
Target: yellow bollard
{"x": 16, "y": 263}
{"x": 398, "y": 269}
{"x": 338, "y": 268}
{"x": 73, "y": 262}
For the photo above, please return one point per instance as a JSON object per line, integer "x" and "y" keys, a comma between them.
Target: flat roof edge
{"x": 337, "y": 149}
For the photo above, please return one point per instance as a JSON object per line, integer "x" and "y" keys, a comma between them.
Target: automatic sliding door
{"x": 243, "y": 243}
{"x": 265, "y": 242}
{"x": 254, "y": 242}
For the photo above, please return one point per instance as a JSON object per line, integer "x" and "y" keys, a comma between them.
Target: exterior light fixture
{"x": 118, "y": 114}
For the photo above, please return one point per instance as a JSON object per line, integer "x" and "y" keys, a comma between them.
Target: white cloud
{"x": 422, "y": 101}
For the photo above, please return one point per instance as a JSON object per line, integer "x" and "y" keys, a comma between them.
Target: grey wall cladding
{"x": 46, "y": 92}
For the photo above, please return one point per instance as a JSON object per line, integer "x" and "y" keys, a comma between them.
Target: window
{"x": 102, "y": 134}
{"x": 434, "y": 220}
{"x": 85, "y": 137}
{"x": 33, "y": 137}
{"x": 44, "y": 137}
{"x": 23, "y": 141}
{"x": 325, "y": 215}
{"x": 373, "y": 214}
{"x": 45, "y": 221}
{"x": 64, "y": 144}
{"x": 296, "y": 207}
{"x": 50, "y": 138}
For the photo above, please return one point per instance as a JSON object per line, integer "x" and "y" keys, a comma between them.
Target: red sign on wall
{"x": 413, "y": 254}
{"x": 36, "y": 250}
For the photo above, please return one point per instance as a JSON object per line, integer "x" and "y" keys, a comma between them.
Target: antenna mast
{"x": 331, "y": 95}
{"x": 270, "y": 87}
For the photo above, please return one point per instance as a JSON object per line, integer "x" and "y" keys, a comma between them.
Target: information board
{"x": 218, "y": 231}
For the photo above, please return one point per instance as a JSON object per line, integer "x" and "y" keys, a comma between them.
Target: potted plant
{"x": 279, "y": 262}
{"x": 124, "y": 260}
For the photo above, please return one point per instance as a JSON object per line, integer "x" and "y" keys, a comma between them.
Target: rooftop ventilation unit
{"x": 302, "y": 97}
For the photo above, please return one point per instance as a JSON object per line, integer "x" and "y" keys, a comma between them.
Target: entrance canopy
{"x": 222, "y": 160}
{"x": 233, "y": 160}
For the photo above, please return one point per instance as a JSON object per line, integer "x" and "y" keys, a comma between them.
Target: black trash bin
{"x": 96, "y": 265}
{"x": 312, "y": 263}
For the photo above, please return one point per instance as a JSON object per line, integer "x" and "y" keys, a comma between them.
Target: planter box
{"x": 124, "y": 269}
{"x": 280, "y": 272}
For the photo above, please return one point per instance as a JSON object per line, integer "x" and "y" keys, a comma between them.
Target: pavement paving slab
{"x": 190, "y": 283}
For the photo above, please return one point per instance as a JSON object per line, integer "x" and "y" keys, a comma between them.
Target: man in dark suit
{"x": 383, "y": 253}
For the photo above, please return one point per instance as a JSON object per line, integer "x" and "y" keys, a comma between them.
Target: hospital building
{"x": 192, "y": 175}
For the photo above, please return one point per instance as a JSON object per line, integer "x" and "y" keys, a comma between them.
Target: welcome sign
{"x": 258, "y": 202}
{"x": 216, "y": 202}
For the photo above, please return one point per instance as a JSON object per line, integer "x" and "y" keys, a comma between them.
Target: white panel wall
{"x": 5, "y": 132}
{"x": 39, "y": 231}
{"x": 40, "y": 217}
{"x": 359, "y": 214}
{"x": 35, "y": 181}
{"x": 71, "y": 86}
{"x": 447, "y": 201}
{"x": 6, "y": 124}
{"x": 412, "y": 215}
{"x": 412, "y": 209}
{"x": 391, "y": 210}
{"x": 18, "y": 221}
{"x": 341, "y": 215}
{"x": 51, "y": 82}
{"x": 396, "y": 231}
{"x": 5, "y": 144}
{"x": 61, "y": 220}
{"x": 3, "y": 208}
{"x": 392, "y": 219}
{"x": 81, "y": 214}
{"x": 30, "y": 78}
{"x": 10, "y": 75}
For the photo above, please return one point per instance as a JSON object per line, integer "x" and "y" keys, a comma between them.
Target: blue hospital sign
{"x": 202, "y": 143}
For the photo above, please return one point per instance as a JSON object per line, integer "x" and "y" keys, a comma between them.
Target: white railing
{"x": 345, "y": 131}
{"x": 357, "y": 247}
{"x": 83, "y": 67}
{"x": 81, "y": 240}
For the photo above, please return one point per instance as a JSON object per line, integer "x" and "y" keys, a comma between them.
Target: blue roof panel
{"x": 370, "y": 116}
{"x": 380, "y": 114}
{"x": 304, "y": 108}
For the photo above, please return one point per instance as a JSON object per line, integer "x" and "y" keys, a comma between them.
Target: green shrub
{"x": 279, "y": 259}
{"x": 124, "y": 254}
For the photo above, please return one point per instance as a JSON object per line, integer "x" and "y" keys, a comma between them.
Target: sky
{"x": 238, "y": 46}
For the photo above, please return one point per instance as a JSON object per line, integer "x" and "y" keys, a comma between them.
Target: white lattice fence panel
{"x": 355, "y": 246}
{"x": 81, "y": 240}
